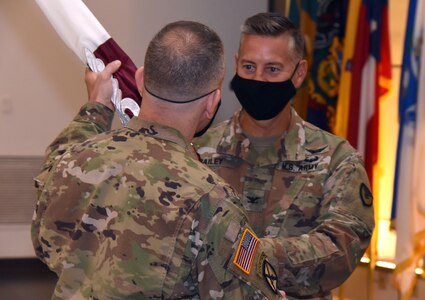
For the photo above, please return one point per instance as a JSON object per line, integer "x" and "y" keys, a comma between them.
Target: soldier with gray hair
{"x": 132, "y": 212}
{"x": 304, "y": 190}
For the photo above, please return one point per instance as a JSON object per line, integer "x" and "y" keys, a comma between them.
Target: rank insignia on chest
{"x": 246, "y": 250}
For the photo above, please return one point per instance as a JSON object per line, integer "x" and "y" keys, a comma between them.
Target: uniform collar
{"x": 290, "y": 146}
{"x": 161, "y": 132}
{"x": 294, "y": 142}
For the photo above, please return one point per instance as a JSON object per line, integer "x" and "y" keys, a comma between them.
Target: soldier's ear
{"x": 236, "y": 62}
{"x": 212, "y": 103}
{"x": 300, "y": 73}
{"x": 140, "y": 79}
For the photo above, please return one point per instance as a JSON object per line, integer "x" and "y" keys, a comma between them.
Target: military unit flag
{"x": 85, "y": 36}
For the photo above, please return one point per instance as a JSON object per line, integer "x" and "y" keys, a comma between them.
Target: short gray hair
{"x": 184, "y": 60}
{"x": 273, "y": 24}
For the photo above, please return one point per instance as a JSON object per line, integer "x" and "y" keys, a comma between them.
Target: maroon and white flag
{"x": 86, "y": 37}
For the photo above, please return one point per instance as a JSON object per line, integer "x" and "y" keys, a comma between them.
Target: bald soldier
{"x": 132, "y": 212}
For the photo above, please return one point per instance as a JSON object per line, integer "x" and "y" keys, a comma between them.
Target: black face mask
{"x": 263, "y": 100}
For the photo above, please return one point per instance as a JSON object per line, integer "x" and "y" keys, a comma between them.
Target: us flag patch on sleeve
{"x": 246, "y": 251}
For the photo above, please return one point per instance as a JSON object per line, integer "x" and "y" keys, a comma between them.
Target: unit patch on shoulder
{"x": 366, "y": 195}
{"x": 270, "y": 276}
{"x": 260, "y": 264}
{"x": 246, "y": 250}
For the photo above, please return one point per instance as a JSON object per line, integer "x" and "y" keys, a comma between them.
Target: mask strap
{"x": 296, "y": 67}
{"x": 178, "y": 102}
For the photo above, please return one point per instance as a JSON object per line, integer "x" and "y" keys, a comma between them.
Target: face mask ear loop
{"x": 296, "y": 67}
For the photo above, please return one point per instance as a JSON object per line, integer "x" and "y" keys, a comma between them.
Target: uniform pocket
{"x": 257, "y": 183}
{"x": 280, "y": 199}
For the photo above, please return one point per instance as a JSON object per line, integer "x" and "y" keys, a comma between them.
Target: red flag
{"x": 371, "y": 73}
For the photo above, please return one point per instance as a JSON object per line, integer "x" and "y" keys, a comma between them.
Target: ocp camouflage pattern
{"x": 307, "y": 196}
{"x": 132, "y": 214}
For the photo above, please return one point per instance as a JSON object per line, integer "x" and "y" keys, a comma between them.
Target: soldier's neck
{"x": 170, "y": 120}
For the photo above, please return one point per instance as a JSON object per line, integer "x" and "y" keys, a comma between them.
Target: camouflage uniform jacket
{"x": 132, "y": 213}
{"x": 307, "y": 197}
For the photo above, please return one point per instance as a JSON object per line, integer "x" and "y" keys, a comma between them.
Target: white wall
{"x": 41, "y": 80}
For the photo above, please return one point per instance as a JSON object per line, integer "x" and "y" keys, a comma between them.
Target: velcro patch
{"x": 260, "y": 264}
{"x": 246, "y": 251}
{"x": 270, "y": 276}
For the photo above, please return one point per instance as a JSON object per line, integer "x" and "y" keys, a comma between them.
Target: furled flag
{"x": 350, "y": 68}
{"x": 343, "y": 102}
{"x": 323, "y": 22}
{"x": 303, "y": 14}
{"x": 409, "y": 191}
{"x": 325, "y": 70}
{"x": 370, "y": 79}
{"x": 86, "y": 37}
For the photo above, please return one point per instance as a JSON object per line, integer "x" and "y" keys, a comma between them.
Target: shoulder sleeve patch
{"x": 270, "y": 276}
{"x": 366, "y": 195}
{"x": 245, "y": 253}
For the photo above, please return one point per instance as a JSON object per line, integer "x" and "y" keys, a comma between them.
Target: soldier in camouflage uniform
{"x": 132, "y": 213}
{"x": 305, "y": 191}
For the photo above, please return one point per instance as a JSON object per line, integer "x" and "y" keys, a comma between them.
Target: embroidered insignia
{"x": 270, "y": 276}
{"x": 260, "y": 265}
{"x": 246, "y": 251}
{"x": 366, "y": 195}
{"x": 305, "y": 166}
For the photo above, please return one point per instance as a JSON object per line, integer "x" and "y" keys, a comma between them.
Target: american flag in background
{"x": 246, "y": 251}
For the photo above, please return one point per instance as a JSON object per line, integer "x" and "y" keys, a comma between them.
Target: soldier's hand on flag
{"x": 99, "y": 85}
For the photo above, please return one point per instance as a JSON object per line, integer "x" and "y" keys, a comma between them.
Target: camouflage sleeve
{"x": 323, "y": 259}
{"x": 92, "y": 119}
{"x": 231, "y": 259}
